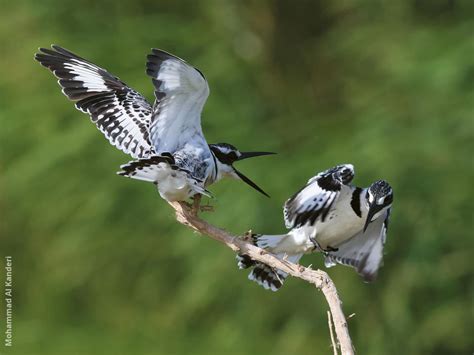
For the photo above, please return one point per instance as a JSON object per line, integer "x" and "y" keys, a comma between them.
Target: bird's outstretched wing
{"x": 121, "y": 113}
{"x": 316, "y": 198}
{"x": 180, "y": 92}
{"x": 364, "y": 251}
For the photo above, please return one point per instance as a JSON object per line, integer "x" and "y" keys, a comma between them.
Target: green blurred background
{"x": 101, "y": 266}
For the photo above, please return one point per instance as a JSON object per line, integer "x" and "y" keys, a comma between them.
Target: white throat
{"x": 223, "y": 171}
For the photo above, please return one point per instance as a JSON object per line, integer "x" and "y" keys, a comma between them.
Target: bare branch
{"x": 188, "y": 216}
{"x": 331, "y": 332}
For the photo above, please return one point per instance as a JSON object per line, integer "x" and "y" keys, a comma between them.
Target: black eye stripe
{"x": 225, "y": 158}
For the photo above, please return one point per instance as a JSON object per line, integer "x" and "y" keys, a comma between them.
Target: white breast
{"x": 175, "y": 187}
{"x": 341, "y": 223}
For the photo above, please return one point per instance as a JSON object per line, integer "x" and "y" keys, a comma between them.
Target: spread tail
{"x": 267, "y": 277}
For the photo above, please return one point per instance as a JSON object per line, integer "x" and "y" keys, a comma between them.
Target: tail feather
{"x": 269, "y": 241}
{"x": 267, "y": 277}
{"x": 264, "y": 275}
{"x": 150, "y": 169}
{"x": 245, "y": 261}
{"x": 160, "y": 169}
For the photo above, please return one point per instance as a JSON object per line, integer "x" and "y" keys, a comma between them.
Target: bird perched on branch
{"x": 166, "y": 138}
{"x": 347, "y": 224}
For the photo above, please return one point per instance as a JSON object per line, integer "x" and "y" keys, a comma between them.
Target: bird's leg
{"x": 319, "y": 248}
{"x": 207, "y": 207}
{"x": 196, "y": 204}
{"x": 316, "y": 244}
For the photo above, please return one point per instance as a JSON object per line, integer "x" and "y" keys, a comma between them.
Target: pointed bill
{"x": 245, "y": 155}
{"x": 250, "y": 182}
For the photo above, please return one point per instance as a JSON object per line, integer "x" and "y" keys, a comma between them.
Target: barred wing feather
{"x": 315, "y": 199}
{"x": 120, "y": 113}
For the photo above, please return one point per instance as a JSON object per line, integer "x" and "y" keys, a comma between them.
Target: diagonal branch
{"x": 320, "y": 279}
{"x": 331, "y": 332}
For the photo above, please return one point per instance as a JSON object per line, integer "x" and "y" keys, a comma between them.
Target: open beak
{"x": 250, "y": 182}
{"x": 372, "y": 211}
{"x": 245, "y": 155}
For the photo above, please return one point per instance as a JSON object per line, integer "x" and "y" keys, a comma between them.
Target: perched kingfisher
{"x": 166, "y": 139}
{"x": 347, "y": 224}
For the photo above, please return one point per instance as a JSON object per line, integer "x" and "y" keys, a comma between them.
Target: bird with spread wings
{"x": 166, "y": 138}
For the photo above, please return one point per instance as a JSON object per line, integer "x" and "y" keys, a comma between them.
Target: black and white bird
{"x": 166, "y": 138}
{"x": 347, "y": 224}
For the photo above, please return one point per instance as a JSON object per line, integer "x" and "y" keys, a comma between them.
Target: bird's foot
{"x": 206, "y": 208}
{"x": 250, "y": 236}
{"x": 322, "y": 250}
{"x": 187, "y": 204}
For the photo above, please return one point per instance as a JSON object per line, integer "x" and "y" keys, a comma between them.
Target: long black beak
{"x": 245, "y": 155}
{"x": 372, "y": 211}
{"x": 250, "y": 182}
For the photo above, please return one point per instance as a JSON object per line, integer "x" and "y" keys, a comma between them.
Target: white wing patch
{"x": 120, "y": 113}
{"x": 176, "y": 76}
{"x": 364, "y": 251}
{"x": 87, "y": 75}
{"x": 180, "y": 92}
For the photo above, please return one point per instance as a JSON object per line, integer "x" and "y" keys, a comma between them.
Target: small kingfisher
{"x": 347, "y": 224}
{"x": 166, "y": 138}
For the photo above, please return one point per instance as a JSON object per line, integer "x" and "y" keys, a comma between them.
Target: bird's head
{"x": 226, "y": 155}
{"x": 378, "y": 198}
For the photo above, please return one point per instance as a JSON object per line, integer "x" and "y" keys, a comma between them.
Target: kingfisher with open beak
{"x": 165, "y": 138}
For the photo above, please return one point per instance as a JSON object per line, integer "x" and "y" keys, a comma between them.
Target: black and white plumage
{"x": 347, "y": 224}
{"x": 316, "y": 198}
{"x": 165, "y": 138}
{"x": 121, "y": 113}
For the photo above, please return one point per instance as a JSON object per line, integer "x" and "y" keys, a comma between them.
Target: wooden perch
{"x": 188, "y": 216}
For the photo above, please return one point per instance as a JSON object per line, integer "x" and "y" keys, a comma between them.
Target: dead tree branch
{"x": 188, "y": 216}
{"x": 331, "y": 332}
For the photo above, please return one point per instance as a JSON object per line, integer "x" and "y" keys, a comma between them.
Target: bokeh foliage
{"x": 100, "y": 265}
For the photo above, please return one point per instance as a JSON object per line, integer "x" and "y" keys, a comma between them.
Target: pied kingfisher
{"x": 347, "y": 224}
{"x": 166, "y": 138}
